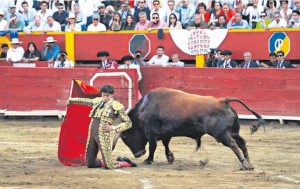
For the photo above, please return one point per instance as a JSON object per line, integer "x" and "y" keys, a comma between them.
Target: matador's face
{"x": 106, "y": 97}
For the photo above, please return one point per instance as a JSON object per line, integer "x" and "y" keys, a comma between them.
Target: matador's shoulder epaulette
{"x": 97, "y": 100}
{"x": 117, "y": 106}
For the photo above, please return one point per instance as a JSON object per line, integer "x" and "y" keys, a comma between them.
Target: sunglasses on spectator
{"x": 101, "y": 7}
{"x": 279, "y": 55}
{"x": 172, "y": 17}
{"x": 263, "y": 16}
{"x": 12, "y": 7}
{"x": 95, "y": 19}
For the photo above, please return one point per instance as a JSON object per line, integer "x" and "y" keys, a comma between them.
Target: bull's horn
{"x": 115, "y": 140}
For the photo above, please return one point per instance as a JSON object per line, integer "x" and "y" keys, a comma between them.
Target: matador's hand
{"x": 108, "y": 128}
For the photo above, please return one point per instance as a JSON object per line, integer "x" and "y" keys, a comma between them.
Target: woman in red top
{"x": 228, "y": 12}
{"x": 203, "y": 12}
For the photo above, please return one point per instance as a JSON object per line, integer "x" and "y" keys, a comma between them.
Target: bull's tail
{"x": 260, "y": 121}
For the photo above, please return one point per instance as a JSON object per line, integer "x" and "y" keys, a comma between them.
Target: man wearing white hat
{"x": 50, "y": 50}
{"x": 16, "y": 52}
{"x": 72, "y": 25}
{"x": 3, "y": 22}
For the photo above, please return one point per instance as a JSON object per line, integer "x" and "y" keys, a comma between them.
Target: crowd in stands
{"x": 104, "y": 15}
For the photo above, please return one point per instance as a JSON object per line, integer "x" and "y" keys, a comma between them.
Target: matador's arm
{"x": 81, "y": 101}
{"x": 125, "y": 121}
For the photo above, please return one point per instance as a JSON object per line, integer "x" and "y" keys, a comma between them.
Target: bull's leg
{"x": 169, "y": 154}
{"x": 228, "y": 141}
{"x": 152, "y": 148}
{"x": 242, "y": 145}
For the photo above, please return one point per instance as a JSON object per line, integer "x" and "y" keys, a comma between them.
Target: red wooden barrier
{"x": 47, "y": 89}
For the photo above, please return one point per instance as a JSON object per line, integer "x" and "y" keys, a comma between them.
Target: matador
{"x": 105, "y": 110}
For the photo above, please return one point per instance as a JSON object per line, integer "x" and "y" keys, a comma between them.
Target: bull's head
{"x": 134, "y": 137}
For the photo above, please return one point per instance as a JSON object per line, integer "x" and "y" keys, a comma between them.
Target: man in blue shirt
{"x": 239, "y": 22}
{"x": 50, "y": 50}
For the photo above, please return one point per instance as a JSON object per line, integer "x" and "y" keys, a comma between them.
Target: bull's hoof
{"x": 170, "y": 158}
{"x": 148, "y": 162}
{"x": 203, "y": 162}
{"x": 247, "y": 166}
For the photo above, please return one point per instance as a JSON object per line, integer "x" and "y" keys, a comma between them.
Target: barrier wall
{"x": 45, "y": 90}
{"x": 273, "y": 93}
{"x": 83, "y": 46}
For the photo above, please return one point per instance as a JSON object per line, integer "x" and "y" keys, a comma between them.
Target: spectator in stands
{"x": 213, "y": 57}
{"x": 228, "y": 12}
{"x": 143, "y": 23}
{"x": 252, "y": 11}
{"x": 278, "y": 22}
{"x": 20, "y": 8}
{"x": 61, "y": 16}
{"x": 187, "y": 12}
{"x": 105, "y": 62}
{"x": 297, "y": 5}
{"x": 285, "y": 11}
{"x": 281, "y": 62}
{"x": 221, "y": 24}
{"x": 12, "y": 11}
{"x": 160, "y": 59}
{"x": 156, "y": 22}
{"x": 263, "y": 22}
{"x": 31, "y": 54}
{"x": 3, "y": 54}
{"x": 16, "y": 52}
{"x": 80, "y": 16}
{"x": 202, "y": 10}
{"x": 198, "y": 23}
{"x": 116, "y": 24}
{"x": 239, "y": 23}
{"x": 173, "y": 22}
{"x": 271, "y": 9}
{"x": 104, "y": 17}
{"x": 138, "y": 59}
{"x": 34, "y": 26}
{"x": 160, "y": 11}
{"x": 52, "y": 25}
{"x": 96, "y": 25}
{"x": 129, "y": 23}
{"x": 72, "y": 25}
{"x": 227, "y": 61}
{"x": 14, "y": 23}
{"x": 175, "y": 61}
{"x": 68, "y": 5}
{"x": 127, "y": 60}
{"x": 44, "y": 13}
{"x": 50, "y": 50}
{"x": 248, "y": 62}
{"x": 171, "y": 10}
{"x": 215, "y": 14}
{"x": 124, "y": 11}
{"x": 141, "y": 8}
{"x": 28, "y": 13}
{"x": 294, "y": 22}
{"x": 3, "y": 22}
{"x": 109, "y": 10}
{"x": 63, "y": 61}
{"x": 271, "y": 63}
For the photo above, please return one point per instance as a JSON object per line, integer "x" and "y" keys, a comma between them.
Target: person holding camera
{"x": 294, "y": 22}
{"x": 116, "y": 24}
{"x": 138, "y": 59}
{"x": 213, "y": 58}
{"x": 63, "y": 61}
{"x": 50, "y": 50}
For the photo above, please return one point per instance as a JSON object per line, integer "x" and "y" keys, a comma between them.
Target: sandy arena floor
{"x": 28, "y": 159}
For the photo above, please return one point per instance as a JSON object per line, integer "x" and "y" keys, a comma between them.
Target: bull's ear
{"x": 115, "y": 140}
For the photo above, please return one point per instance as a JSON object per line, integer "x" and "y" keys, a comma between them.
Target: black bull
{"x": 166, "y": 113}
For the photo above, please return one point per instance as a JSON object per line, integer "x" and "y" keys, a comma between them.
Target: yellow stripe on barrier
{"x": 70, "y": 45}
{"x": 200, "y": 61}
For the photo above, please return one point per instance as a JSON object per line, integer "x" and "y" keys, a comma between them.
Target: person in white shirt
{"x": 278, "y": 22}
{"x": 176, "y": 61}
{"x": 52, "y": 25}
{"x": 63, "y": 61}
{"x": 128, "y": 65}
{"x": 36, "y": 25}
{"x": 28, "y": 13}
{"x": 20, "y": 7}
{"x": 44, "y": 13}
{"x": 16, "y": 52}
{"x": 160, "y": 59}
{"x": 3, "y": 22}
{"x": 96, "y": 25}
